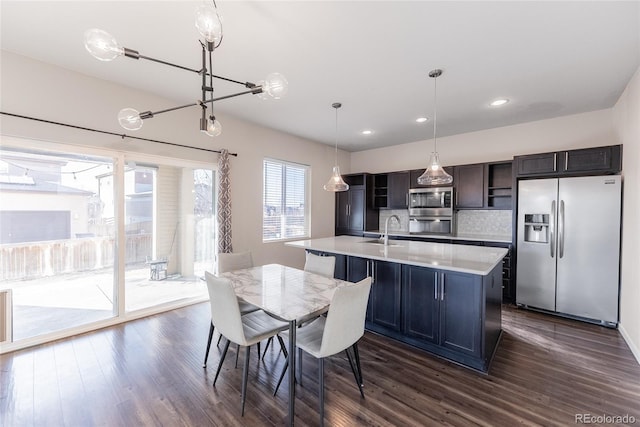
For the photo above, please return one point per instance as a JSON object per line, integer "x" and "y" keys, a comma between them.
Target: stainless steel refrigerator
{"x": 568, "y": 248}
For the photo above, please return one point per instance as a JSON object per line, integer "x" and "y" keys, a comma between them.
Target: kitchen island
{"x": 443, "y": 298}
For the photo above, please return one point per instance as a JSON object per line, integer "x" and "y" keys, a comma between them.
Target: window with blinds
{"x": 285, "y": 207}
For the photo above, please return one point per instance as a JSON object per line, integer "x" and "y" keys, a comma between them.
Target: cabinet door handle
{"x": 566, "y": 160}
{"x": 406, "y": 201}
{"x": 373, "y": 272}
{"x": 555, "y": 161}
{"x": 435, "y": 287}
{"x": 442, "y": 290}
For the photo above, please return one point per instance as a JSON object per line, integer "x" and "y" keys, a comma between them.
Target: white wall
{"x": 45, "y": 91}
{"x": 627, "y": 125}
{"x": 576, "y": 131}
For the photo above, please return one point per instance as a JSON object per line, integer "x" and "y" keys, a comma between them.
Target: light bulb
{"x": 208, "y": 24}
{"x": 102, "y": 45}
{"x": 129, "y": 119}
{"x": 276, "y": 85}
{"x": 214, "y": 128}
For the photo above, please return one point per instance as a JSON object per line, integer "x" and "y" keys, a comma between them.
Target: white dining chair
{"x": 230, "y": 262}
{"x": 339, "y": 331}
{"x": 242, "y": 330}
{"x": 322, "y": 265}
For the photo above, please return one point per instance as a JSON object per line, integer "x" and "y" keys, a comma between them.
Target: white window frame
{"x": 307, "y": 200}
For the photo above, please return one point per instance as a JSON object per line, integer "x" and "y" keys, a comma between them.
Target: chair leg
{"x": 321, "y": 389}
{"x": 282, "y": 346}
{"x": 244, "y": 376}
{"x": 266, "y": 347}
{"x": 299, "y": 359}
{"x": 356, "y": 353}
{"x": 258, "y": 351}
{"x": 206, "y": 354}
{"x": 219, "y": 338}
{"x": 224, "y": 354}
{"x": 237, "y": 354}
{"x": 355, "y": 373}
{"x": 284, "y": 370}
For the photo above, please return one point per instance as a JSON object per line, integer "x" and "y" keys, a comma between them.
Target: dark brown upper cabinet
{"x": 586, "y": 161}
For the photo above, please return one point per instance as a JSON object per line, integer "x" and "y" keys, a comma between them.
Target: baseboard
{"x": 630, "y": 343}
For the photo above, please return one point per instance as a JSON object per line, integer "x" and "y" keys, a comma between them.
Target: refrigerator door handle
{"x": 561, "y": 230}
{"x": 552, "y": 225}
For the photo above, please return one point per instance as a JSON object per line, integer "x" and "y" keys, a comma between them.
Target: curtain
{"x": 224, "y": 204}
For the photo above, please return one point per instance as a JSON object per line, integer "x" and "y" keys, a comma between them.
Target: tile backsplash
{"x": 484, "y": 222}
{"x": 403, "y": 214}
{"x": 476, "y": 222}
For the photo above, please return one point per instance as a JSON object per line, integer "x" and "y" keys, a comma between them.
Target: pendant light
{"x": 336, "y": 183}
{"x": 435, "y": 174}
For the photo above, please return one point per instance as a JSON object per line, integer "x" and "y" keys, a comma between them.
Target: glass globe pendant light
{"x": 214, "y": 127}
{"x": 435, "y": 174}
{"x": 209, "y": 24}
{"x": 102, "y": 45}
{"x": 336, "y": 183}
{"x": 129, "y": 118}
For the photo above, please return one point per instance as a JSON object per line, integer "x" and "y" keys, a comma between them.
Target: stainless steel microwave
{"x": 431, "y": 202}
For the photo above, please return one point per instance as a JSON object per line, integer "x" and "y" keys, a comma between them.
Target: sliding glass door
{"x": 169, "y": 233}
{"x": 85, "y": 238}
{"x": 57, "y": 241}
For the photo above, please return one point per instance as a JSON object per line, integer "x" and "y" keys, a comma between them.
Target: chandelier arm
{"x": 150, "y": 114}
{"x": 136, "y": 55}
{"x": 246, "y": 84}
{"x": 233, "y": 95}
{"x": 160, "y": 61}
{"x": 154, "y": 113}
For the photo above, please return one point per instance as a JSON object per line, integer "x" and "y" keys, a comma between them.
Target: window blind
{"x": 285, "y": 201}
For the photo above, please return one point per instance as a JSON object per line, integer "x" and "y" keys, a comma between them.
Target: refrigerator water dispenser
{"x": 536, "y": 228}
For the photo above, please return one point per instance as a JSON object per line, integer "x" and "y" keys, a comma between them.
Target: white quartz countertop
{"x": 469, "y": 237}
{"x": 444, "y": 256}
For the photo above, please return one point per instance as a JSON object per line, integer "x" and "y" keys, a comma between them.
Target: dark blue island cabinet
{"x": 451, "y": 314}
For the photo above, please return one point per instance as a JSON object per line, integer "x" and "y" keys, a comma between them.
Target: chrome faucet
{"x": 386, "y": 228}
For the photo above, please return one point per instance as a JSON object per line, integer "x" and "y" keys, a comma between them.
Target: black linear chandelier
{"x": 103, "y": 46}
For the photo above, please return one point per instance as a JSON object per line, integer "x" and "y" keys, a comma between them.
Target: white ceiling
{"x": 549, "y": 58}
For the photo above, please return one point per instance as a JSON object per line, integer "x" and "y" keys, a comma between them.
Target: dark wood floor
{"x": 148, "y": 372}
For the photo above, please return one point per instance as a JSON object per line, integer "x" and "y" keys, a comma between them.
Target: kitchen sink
{"x": 380, "y": 243}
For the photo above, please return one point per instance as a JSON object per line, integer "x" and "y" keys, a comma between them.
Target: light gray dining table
{"x": 288, "y": 294}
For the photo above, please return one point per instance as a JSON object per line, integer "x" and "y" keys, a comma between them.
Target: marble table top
{"x": 284, "y": 292}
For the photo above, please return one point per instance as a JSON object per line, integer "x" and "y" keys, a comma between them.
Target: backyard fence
{"x": 42, "y": 259}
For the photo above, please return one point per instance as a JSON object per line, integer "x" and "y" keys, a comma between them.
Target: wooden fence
{"x": 42, "y": 259}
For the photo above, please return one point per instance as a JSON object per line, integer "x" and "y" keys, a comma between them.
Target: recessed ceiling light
{"x": 367, "y": 132}
{"x": 499, "y": 102}
{"x": 422, "y": 119}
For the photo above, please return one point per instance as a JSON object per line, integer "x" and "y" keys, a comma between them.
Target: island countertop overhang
{"x": 479, "y": 260}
